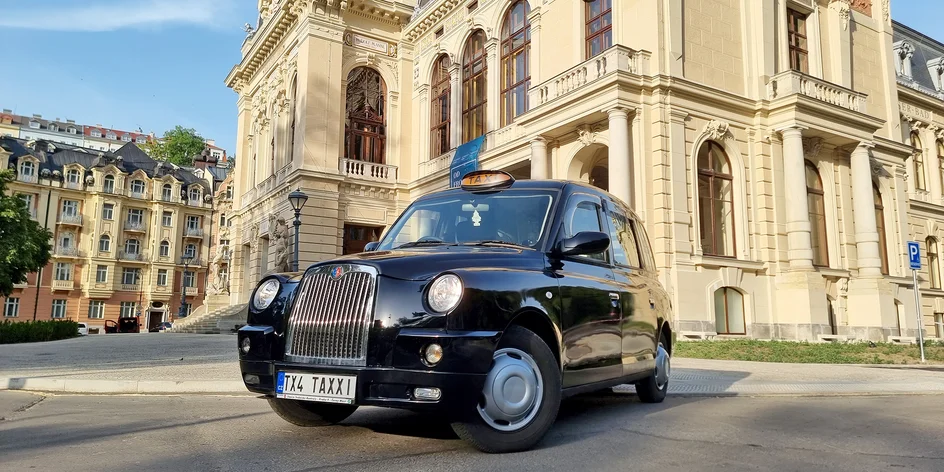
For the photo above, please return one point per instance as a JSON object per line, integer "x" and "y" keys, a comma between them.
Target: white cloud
{"x": 97, "y": 16}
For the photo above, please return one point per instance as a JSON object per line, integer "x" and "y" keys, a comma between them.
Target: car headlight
{"x": 265, "y": 294}
{"x": 444, "y": 293}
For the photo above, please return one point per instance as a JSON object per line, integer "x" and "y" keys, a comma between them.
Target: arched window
{"x": 921, "y": 173}
{"x": 515, "y": 62}
{"x": 166, "y": 192}
{"x": 73, "y": 176}
{"x": 880, "y": 227}
{"x": 291, "y": 128}
{"x": 164, "y": 249}
{"x": 474, "y": 86}
{"x": 940, "y": 154}
{"x": 28, "y": 169}
{"x": 104, "y": 243}
{"x": 715, "y": 200}
{"x": 137, "y": 186}
{"x": 190, "y": 251}
{"x": 729, "y": 311}
{"x": 132, "y": 246}
{"x": 194, "y": 194}
{"x": 816, "y": 198}
{"x": 934, "y": 264}
{"x": 440, "y": 108}
{"x": 599, "y": 33}
{"x": 365, "y": 127}
{"x": 108, "y": 185}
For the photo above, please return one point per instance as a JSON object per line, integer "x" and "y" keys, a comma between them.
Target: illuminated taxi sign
{"x": 486, "y": 180}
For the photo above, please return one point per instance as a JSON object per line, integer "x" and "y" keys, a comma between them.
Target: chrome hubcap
{"x": 663, "y": 367}
{"x": 513, "y": 391}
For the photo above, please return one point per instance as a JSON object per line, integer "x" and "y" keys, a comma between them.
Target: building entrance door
{"x": 356, "y": 237}
{"x": 155, "y": 318}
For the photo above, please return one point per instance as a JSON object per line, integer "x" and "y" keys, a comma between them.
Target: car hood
{"x": 423, "y": 263}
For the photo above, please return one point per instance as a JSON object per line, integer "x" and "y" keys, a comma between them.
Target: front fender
{"x": 275, "y": 314}
{"x": 493, "y": 298}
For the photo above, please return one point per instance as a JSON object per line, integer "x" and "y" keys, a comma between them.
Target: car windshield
{"x": 517, "y": 217}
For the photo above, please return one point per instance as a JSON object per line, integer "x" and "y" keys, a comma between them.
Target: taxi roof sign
{"x": 487, "y": 180}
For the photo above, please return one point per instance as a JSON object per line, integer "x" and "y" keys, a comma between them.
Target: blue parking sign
{"x": 914, "y": 255}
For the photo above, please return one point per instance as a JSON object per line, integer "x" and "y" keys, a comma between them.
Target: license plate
{"x": 326, "y": 388}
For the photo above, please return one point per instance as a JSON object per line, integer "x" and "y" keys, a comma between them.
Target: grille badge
{"x": 337, "y": 272}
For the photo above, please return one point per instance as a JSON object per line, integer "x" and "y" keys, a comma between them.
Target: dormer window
{"x": 71, "y": 130}
{"x": 140, "y": 140}
{"x": 96, "y": 133}
{"x": 73, "y": 176}
{"x": 34, "y": 124}
{"x": 108, "y": 185}
{"x": 111, "y": 135}
{"x": 28, "y": 169}
{"x": 936, "y": 68}
{"x": 53, "y": 127}
{"x": 126, "y": 138}
{"x": 195, "y": 194}
{"x": 166, "y": 192}
{"x": 903, "y": 54}
{"x": 137, "y": 186}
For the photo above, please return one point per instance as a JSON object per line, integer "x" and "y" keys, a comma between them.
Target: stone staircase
{"x": 220, "y": 321}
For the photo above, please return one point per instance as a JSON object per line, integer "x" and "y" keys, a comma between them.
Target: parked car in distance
{"x": 130, "y": 324}
{"x": 83, "y": 329}
{"x": 485, "y": 304}
{"x": 165, "y": 325}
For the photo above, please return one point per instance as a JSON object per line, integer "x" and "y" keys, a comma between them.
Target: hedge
{"x": 37, "y": 331}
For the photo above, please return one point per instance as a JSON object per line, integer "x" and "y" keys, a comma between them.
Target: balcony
{"x": 191, "y": 291}
{"x": 30, "y": 179}
{"x": 613, "y": 60}
{"x": 196, "y": 233}
{"x": 23, "y": 284}
{"x": 170, "y": 199}
{"x": 71, "y": 251}
{"x": 129, "y": 287}
{"x": 368, "y": 170}
{"x": 792, "y": 82}
{"x": 63, "y": 284}
{"x": 132, "y": 256}
{"x": 197, "y": 203}
{"x": 193, "y": 264}
{"x": 73, "y": 185}
{"x": 69, "y": 219}
{"x": 135, "y": 227}
{"x": 139, "y": 195}
{"x": 111, "y": 190}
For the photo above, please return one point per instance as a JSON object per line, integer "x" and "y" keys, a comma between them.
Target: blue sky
{"x": 154, "y": 64}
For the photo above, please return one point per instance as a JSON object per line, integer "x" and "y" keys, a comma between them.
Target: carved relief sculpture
{"x": 279, "y": 233}
{"x": 716, "y": 130}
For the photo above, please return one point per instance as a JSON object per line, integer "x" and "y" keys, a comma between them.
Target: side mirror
{"x": 371, "y": 246}
{"x": 583, "y": 243}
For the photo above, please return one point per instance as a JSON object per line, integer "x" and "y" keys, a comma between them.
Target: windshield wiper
{"x": 419, "y": 243}
{"x": 496, "y": 241}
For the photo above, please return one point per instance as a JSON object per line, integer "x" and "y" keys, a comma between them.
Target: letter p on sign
{"x": 914, "y": 255}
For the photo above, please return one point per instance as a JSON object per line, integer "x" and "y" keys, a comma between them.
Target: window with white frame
{"x": 59, "y": 309}
{"x": 28, "y": 169}
{"x": 137, "y": 186}
{"x": 53, "y": 127}
{"x": 11, "y": 307}
{"x": 101, "y": 274}
{"x": 71, "y": 130}
{"x": 135, "y": 216}
{"x": 74, "y": 176}
{"x": 127, "y": 310}
{"x": 167, "y": 218}
{"x": 104, "y": 243}
{"x": 166, "y": 192}
{"x": 194, "y": 194}
{"x": 193, "y": 222}
{"x": 229, "y": 191}
{"x": 162, "y": 277}
{"x": 222, "y": 219}
{"x": 130, "y": 276}
{"x": 132, "y": 246}
{"x": 108, "y": 185}
{"x": 34, "y": 124}
{"x": 70, "y": 208}
{"x": 66, "y": 240}
{"x": 96, "y": 133}
{"x": 140, "y": 140}
{"x": 191, "y": 251}
{"x": 108, "y": 211}
{"x": 63, "y": 271}
{"x": 126, "y": 138}
{"x": 28, "y": 199}
{"x": 96, "y": 309}
{"x": 189, "y": 279}
{"x": 188, "y": 308}
{"x": 164, "y": 249}
{"x": 111, "y": 135}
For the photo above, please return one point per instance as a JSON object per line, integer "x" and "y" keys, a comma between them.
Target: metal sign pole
{"x": 917, "y": 292}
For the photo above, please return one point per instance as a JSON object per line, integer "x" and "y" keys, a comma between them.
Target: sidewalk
{"x": 207, "y": 364}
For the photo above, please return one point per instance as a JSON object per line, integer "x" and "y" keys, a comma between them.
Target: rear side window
{"x": 623, "y": 239}
{"x": 645, "y": 249}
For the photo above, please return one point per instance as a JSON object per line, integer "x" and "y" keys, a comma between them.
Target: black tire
{"x": 488, "y": 439}
{"x": 648, "y": 389}
{"x": 309, "y": 414}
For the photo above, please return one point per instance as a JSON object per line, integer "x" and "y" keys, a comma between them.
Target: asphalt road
{"x": 599, "y": 432}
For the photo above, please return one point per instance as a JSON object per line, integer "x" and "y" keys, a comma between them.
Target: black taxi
{"x": 486, "y": 304}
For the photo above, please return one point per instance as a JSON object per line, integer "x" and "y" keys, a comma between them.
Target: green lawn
{"x": 810, "y": 353}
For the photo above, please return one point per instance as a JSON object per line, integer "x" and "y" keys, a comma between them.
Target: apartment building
{"x": 106, "y": 139}
{"x": 130, "y": 233}
{"x": 780, "y": 152}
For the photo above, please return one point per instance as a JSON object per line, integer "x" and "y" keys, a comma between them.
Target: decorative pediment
{"x": 716, "y": 130}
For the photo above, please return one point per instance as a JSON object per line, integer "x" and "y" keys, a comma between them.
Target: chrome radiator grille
{"x": 332, "y": 313}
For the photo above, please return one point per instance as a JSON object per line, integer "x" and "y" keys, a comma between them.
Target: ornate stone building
{"x": 766, "y": 144}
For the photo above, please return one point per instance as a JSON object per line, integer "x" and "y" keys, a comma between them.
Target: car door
{"x": 639, "y": 323}
{"x": 591, "y": 312}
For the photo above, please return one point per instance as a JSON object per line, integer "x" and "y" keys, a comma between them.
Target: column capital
{"x": 791, "y": 130}
{"x": 539, "y": 140}
{"x": 617, "y": 112}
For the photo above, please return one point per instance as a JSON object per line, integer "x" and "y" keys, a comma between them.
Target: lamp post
{"x": 182, "y": 312}
{"x": 297, "y": 199}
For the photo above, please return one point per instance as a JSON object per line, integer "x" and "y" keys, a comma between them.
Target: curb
{"x": 122, "y": 386}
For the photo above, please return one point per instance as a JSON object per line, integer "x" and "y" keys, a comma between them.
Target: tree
{"x": 24, "y": 244}
{"x": 178, "y": 146}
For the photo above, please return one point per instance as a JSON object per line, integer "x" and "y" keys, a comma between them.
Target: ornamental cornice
{"x": 428, "y": 18}
{"x": 388, "y": 12}
{"x": 265, "y": 41}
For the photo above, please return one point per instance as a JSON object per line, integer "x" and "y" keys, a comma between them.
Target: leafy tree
{"x": 24, "y": 244}
{"x": 178, "y": 146}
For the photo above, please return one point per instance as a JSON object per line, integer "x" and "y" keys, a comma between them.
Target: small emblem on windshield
{"x": 337, "y": 272}
{"x": 476, "y": 218}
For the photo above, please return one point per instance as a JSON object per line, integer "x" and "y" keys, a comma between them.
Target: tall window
{"x": 189, "y": 279}
{"x": 164, "y": 249}
{"x": 190, "y": 251}
{"x": 11, "y": 307}
{"x": 365, "y": 129}
{"x": 162, "y": 277}
{"x": 195, "y": 194}
{"x": 934, "y": 263}
{"x": 222, "y": 220}
{"x": 515, "y": 60}
{"x": 715, "y": 201}
{"x": 108, "y": 211}
{"x": 70, "y": 208}
{"x": 28, "y": 169}
{"x": 921, "y": 174}
{"x": 799, "y": 45}
{"x": 599, "y": 26}
{"x": 474, "y": 86}
{"x": 132, "y": 246}
{"x": 130, "y": 276}
{"x": 193, "y": 222}
{"x": 58, "y": 309}
{"x": 135, "y": 216}
{"x": 104, "y": 243}
{"x": 729, "y": 311}
{"x": 291, "y": 128}
{"x": 816, "y": 196}
{"x": 101, "y": 274}
{"x": 166, "y": 192}
{"x": 108, "y": 185}
{"x": 880, "y": 227}
{"x": 63, "y": 271}
{"x": 96, "y": 309}
{"x": 127, "y": 310}
{"x": 167, "y": 218}
{"x": 440, "y": 112}
{"x": 137, "y": 187}
{"x": 73, "y": 177}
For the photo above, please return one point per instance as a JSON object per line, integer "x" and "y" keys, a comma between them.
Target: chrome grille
{"x": 331, "y": 316}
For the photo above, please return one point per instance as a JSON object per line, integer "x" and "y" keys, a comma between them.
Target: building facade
{"x": 107, "y": 139}
{"x": 57, "y": 131}
{"x": 131, "y": 234}
{"x": 780, "y": 152}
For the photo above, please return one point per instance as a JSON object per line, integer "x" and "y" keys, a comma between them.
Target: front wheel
{"x": 308, "y": 414}
{"x": 520, "y": 399}
{"x": 653, "y": 388}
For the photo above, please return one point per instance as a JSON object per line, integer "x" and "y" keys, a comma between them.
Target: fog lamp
{"x": 251, "y": 379}
{"x": 433, "y": 354}
{"x": 245, "y": 345}
{"x": 424, "y": 393}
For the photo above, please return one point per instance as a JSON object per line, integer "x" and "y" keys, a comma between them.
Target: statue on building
{"x": 220, "y": 277}
{"x": 279, "y": 235}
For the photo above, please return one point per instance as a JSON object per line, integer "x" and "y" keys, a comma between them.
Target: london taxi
{"x": 486, "y": 303}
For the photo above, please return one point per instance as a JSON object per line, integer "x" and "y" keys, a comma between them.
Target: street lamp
{"x": 182, "y": 313}
{"x": 297, "y": 199}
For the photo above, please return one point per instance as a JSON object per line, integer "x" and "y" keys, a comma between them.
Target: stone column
{"x": 455, "y": 105}
{"x": 933, "y": 163}
{"x": 870, "y": 262}
{"x": 492, "y": 87}
{"x": 799, "y": 244}
{"x": 539, "y": 158}
{"x": 620, "y": 158}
